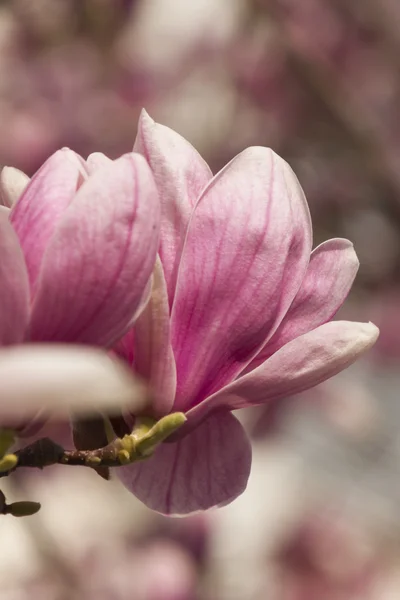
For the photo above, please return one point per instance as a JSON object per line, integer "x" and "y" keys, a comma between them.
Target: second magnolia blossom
{"x": 77, "y": 249}
{"x": 240, "y": 314}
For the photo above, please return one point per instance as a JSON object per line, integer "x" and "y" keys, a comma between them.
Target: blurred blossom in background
{"x": 319, "y": 82}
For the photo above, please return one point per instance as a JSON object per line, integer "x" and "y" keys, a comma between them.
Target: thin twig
{"x": 138, "y": 445}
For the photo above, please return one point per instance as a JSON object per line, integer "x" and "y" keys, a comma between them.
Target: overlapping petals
{"x": 89, "y": 235}
{"x": 301, "y": 364}
{"x": 155, "y": 362}
{"x": 244, "y": 259}
{"x": 329, "y": 277}
{"x": 180, "y": 174}
{"x": 100, "y": 258}
{"x": 250, "y": 313}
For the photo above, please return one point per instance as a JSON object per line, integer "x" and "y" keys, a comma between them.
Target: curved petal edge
{"x": 209, "y": 467}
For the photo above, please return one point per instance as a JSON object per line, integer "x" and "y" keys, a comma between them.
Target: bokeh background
{"x": 319, "y": 82}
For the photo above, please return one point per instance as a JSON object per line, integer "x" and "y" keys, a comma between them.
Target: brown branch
{"x": 44, "y": 453}
{"x": 138, "y": 445}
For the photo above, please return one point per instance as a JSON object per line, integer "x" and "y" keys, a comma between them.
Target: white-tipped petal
{"x": 60, "y": 379}
{"x": 12, "y": 184}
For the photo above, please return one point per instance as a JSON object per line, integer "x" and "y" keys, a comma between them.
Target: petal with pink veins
{"x": 14, "y": 297}
{"x": 245, "y": 256}
{"x": 210, "y": 467}
{"x": 301, "y": 364}
{"x": 154, "y": 359}
{"x": 12, "y": 183}
{"x": 180, "y": 174}
{"x": 36, "y": 214}
{"x": 97, "y": 266}
{"x": 330, "y": 274}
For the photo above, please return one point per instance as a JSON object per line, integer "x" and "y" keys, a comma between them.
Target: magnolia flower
{"x": 77, "y": 248}
{"x": 240, "y": 314}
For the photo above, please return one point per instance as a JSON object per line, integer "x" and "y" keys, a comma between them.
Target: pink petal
{"x": 97, "y": 265}
{"x": 97, "y": 160}
{"x": 14, "y": 297}
{"x": 144, "y": 300}
{"x": 58, "y": 379}
{"x": 154, "y": 359}
{"x": 180, "y": 174}
{"x": 330, "y": 275}
{"x": 301, "y": 364}
{"x": 210, "y": 467}
{"x": 36, "y": 215}
{"x": 245, "y": 256}
{"x": 12, "y": 183}
{"x": 124, "y": 347}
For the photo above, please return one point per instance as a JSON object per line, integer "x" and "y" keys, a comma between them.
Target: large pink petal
{"x": 153, "y": 358}
{"x": 301, "y": 364}
{"x": 14, "y": 296}
{"x": 36, "y": 214}
{"x": 330, "y": 275}
{"x": 180, "y": 174}
{"x": 245, "y": 256}
{"x": 210, "y": 467}
{"x": 97, "y": 266}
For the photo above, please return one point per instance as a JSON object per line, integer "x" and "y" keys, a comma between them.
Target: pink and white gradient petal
{"x": 245, "y": 256}
{"x": 208, "y": 468}
{"x": 301, "y": 364}
{"x": 97, "y": 266}
{"x": 330, "y": 275}
{"x": 15, "y": 296}
{"x": 180, "y": 174}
